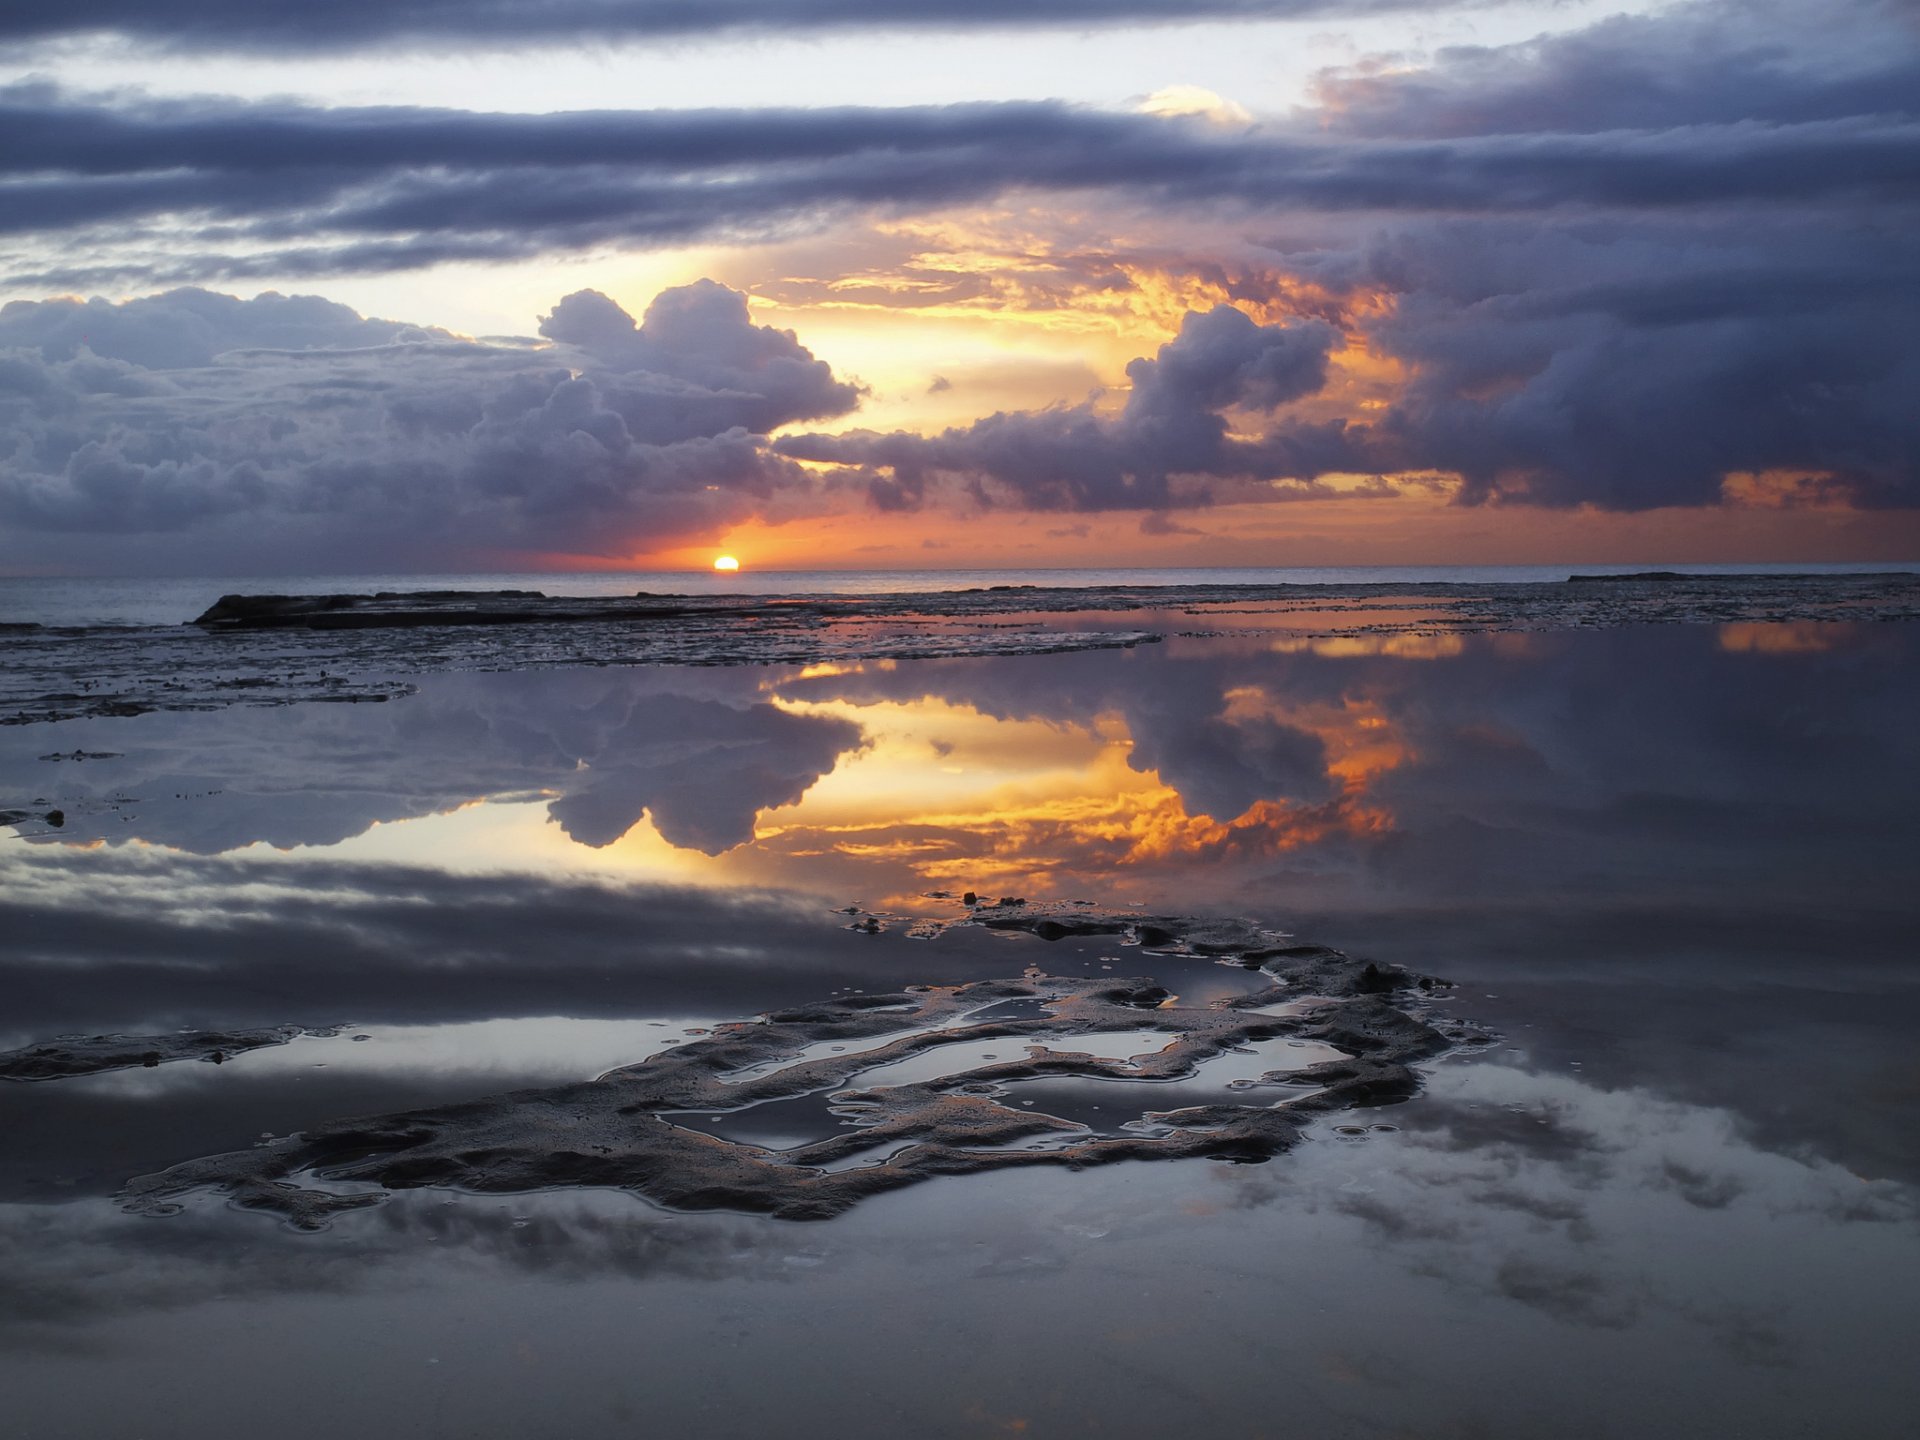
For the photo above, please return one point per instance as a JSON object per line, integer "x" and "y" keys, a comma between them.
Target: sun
{"x": 726, "y": 562}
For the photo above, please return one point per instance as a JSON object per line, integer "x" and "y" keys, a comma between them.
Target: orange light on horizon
{"x": 726, "y": 562}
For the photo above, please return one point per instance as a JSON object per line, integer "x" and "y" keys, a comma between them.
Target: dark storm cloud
{"x": 276, "y": 25}
{"x": 1636, "y": 365}
{"x": 1629, "y": 356}
{"x": 1718, "y": 62}
{"x": 1173, "y": 425}
{"x": 278, "y": 186}
{"x": 302, "y": 432}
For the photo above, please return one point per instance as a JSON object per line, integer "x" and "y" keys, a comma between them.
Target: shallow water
{"x": 1669, "y": 867}
{"x": 54, "y": 600}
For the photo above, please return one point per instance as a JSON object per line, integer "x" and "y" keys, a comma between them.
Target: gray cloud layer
{"x": 270, "y": 25}
{"x": 287, "y": 189}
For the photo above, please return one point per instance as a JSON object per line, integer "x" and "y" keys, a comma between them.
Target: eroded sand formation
{"x": 627, "y": 1129}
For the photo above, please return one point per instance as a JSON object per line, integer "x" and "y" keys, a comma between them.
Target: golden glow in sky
{"x": 726, "y": 562}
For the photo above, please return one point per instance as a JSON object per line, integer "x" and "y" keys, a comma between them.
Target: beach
{"x": 1409, "y": 1008}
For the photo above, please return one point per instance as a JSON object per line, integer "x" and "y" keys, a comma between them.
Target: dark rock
{"x": 71, "y": 1055}
{"x": 620, "y": 1131}
{"x": 1633, "y": 577}
{"x": 1374, "y": 981}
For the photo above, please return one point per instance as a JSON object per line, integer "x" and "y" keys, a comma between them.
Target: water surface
{"x": 1670, "y": 868}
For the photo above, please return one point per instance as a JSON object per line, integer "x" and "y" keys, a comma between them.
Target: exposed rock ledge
{"x": 619, "y": 1130}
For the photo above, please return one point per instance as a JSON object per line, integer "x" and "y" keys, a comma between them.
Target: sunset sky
{"x": 430, "y": 286}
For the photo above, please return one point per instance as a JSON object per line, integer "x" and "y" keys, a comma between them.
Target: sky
{"x": 418, "y": 286}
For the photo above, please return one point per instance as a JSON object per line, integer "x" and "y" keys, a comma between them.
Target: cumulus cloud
{"x": 1174, "y": 425}
{"x": 698, "y": 366}
{"x": 286, "y": 430}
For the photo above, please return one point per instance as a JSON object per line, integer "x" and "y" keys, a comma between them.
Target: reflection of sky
{"x": 1728, "y": 814}
{"x": 1671, "y": 867}
{"x": 1507, "y": 1254}
{"x": 1386, "y": 769}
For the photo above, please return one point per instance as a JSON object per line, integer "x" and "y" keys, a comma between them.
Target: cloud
{"x": 290, "y": 430}
{"x": 1174, "y": 425}
{"x": 235, "y": 25}
{"x": 1710, "y": 62}
{"x": 234, "y": 188}
{"x": 1632, "y": 367}
{"x": 698, "y": 366}
{"x": 1629, "y": 353}
{"x": 1619, "y": 268}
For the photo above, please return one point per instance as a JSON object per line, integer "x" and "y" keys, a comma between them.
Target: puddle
{"x": 1108, "y": 1105}
{"x": 1256, "y": 1058}
{"x": 772, "y": 1125}
{"x": 944, "y": 1060}
{"x": 1204, "y": 984}
{"x": 1031, "y": 1008}
{"x": 1288, "y": 1008}
{"x": 535, "y": 1048}
{"x": 879, "y": 1155}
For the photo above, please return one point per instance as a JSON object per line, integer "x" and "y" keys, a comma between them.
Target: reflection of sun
{"x": 726, "y": 562}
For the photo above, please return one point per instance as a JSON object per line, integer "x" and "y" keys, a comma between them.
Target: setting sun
{"x": 726, "y": 562}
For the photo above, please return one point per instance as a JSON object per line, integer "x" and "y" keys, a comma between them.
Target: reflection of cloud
{"x": 1504, "y": 767}
{"x": 1786, "y": 637}
{"x": 1578, "y": 1297}
{"x": 1504, "y": 811}
{"x": 1401, "y": 647}
{"x": 702, "y": 771}
{"x": 71, "y": 1267}
{"x": 1699, "y": 1188}
{"x": 136, "y": 941}
{"x": 1621, "y": 1238}
{"x": 703, "y": 756}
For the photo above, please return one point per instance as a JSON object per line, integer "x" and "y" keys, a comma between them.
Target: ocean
{"x": 83, "y": 601}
